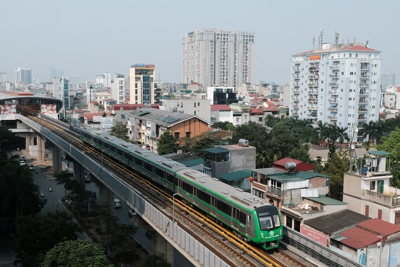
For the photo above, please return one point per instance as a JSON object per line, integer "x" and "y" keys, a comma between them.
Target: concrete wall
{"x": 352, "y": 185}
{"x": 194, "y": 126}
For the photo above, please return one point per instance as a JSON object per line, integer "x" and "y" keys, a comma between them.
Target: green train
{"x": 251, "y": 218}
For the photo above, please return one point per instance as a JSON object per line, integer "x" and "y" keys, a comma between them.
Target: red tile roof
{"x": 256, "y": 111}
{"x": 398, "y": 89}
{"x": 302, "y": 166}
{"x": 90, "y": 115}
{"x": 133, "y": 106}
{"x": 79, "y": 111}
{"x": 359, "y": 47}
{"x": 367, "y": 233}
{"x": 220, "y": 108}
{"x": 94, "y": 102}
{"x": 270, "y": 108}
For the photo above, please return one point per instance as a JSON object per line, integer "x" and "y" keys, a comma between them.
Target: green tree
{"x": 119, "y": 130}
{"x": 373, "y": 131}
{"x": 19, "y": 196}
{"x": 8, "y": 140}
{"x": 76, "y": 253}
{"x": 279, "y": 144}
{"x": 270, "y": 120}
{"x": 158, "y": 260}
{"x": 223, "y": 125}
{"x": 36, "y": 235}
{"x": 301, "y": 153}
{"x": 300, "y": 129}
{"x": 336, "y": 166}
{"x": 391, "y": 144}
{"x": 205, "y": 141}
{"x": 167, "y": 144}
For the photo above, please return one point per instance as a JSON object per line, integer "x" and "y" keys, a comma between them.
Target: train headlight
{"x": 262, "y": 235}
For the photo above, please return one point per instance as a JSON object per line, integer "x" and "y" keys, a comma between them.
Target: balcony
{"x": 275, "y": 191}
{"x": 312, "y": 107}
{"x": 334, "y": 92}
{"x": 295, "y": 105}
{"x": 296, "y": 99}
{"x": 362, "y": 118}
{"x": 334, "y": 84}
{"x": 335, "y": 67}
{"x": 312, "y": 77}
{"x": 333, "y": 109}
{"x": 295, "y": 114}
{"x": 296, "y": 92}
{"x": 362, "y": 110}
{"x": 333, "y": 100}
{"x": 296, "y": 84}
{"x": 296, "y": 77}
{"x": 314, "y": 115}
{"x": 335, "y": 76}
{"x": 363, "y": 93}
{"x": 313, "y": 84}
{"x": 386, "y": 200}
{"x": 366, "y": 77}
{"x": 313, "y": 100}
{"x": 331, "y": 117}
{"x": 362, "y": 101}
{"x": 364, "y": 84}
{"x": 296, "y": 69}
{"x": 313, "y": 92}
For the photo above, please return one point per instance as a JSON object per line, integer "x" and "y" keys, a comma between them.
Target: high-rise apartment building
{"x": 337, "y": 84}
{"x": 3, "y": 77}
{"x": 61, "y": 91}
{"x": 104, "y": 79}
{"x": 387, "y": 78}
{"x": 23, "y": 76}
{"x": 89, "y": 92}
{"x": 118, "y": 88}
{"x": 142, "y": 84}
{"x": 218, "y": 58}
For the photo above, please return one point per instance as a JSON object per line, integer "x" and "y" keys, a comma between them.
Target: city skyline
{"x": 87, "y": 48}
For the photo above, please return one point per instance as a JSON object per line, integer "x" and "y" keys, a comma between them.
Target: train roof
{"x": 232, "y": 194}
{"x": 222, "y": 189}
{"x": 134, "y": 149}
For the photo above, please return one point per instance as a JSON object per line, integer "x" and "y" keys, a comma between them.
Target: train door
{"x": 248, "y": 224}
{"x": 235, "y": 218}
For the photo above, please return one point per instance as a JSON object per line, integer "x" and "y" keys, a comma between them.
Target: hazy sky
{"x": 87, "y": 37}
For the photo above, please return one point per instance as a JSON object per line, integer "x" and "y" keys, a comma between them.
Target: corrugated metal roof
{"x": 238, "y": 175}
{"x": 216, "y": 150}
{"x": 359, "y": 238}
{"x": 309, "y": 175}
{"x": 337, "y": 221}
{"x": 380, "y": 226}
{"x": 379, "y": 153}
{"x": 326, "y": 200}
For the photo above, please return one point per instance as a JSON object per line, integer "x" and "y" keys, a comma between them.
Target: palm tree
{"x": 334, "y": 133}
{"x": 372, "y": 131}
{"x": 321, "y": 131}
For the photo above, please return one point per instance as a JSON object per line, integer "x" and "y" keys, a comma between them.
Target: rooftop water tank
{"x": 243, "y": 142}
{"x": 290, "y": 166}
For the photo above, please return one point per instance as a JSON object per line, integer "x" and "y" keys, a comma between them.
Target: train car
{"x": 252, "y": 218}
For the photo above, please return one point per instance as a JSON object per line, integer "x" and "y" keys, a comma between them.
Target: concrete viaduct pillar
{"x": 57, "y": 160}
{"x": 41, "y": 148}
{"x": 161, "y": 245}
{"x": 79, "y": 174}
{"x": 106, "y": 196}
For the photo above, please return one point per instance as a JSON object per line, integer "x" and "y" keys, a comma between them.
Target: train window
{"x": 105, "y": 144}
{"x": 138, "y": 161}
{"x": 159, "y": 172}
{"x": 242, "y": 217}
{"x": 112, "y": 148}
{"x": 148, "y": 167}
{"x": 170, "y": 178}
{"x": 248, "y": 220}
{"x": 225, "y": 208}
{"x": 204, "y": 196}
{"x": 101, "y": 142}
{"x": 119, "y": 151}
{"x": 187, "y": 187}
{"x": 129, "y": 157}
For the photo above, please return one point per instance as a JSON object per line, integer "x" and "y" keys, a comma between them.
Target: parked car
{"x": 22, "y": 158}
{"x": 117, "y": 203}
{"x": 131, "y": 213}
{"x": 22, "y": 162}
{"x": 31, "y": 167}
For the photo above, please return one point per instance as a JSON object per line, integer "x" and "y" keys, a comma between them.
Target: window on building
{"x": 194, "y": 104}
{"x": 122, "y": 116}
{"x": 260, "y": 119}
{"x": 187, "y": 134}
{"x": 289, "y": 222}
{"x": 176, "y": 135}
{"x": 372, "y": 185}
{"x": 297, "y": 225}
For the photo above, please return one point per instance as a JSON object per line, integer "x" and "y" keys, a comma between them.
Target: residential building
{"x": 224, "y": 159}
{"x": 23, "y": 76}
{"x": 3, "y": 77}
{"x": 391, "y": 99}
{"x": 142, "y": 84}
{"x": 337, "y": 84}
{"x": 300, "y": 165}
{"x": 241, "y": 113}
{"x": 368, "y": 191}
{"x": 171, "y": 88}
{"x": 285, "y": 95}
{"x": 387, "y": 79}
{"x": 189, "y": 105}
{"x": 61, "y": 91}
{"x": 120, "y": 111}
{"x": 222, "y": 95}
{"x": 118, "y": 88}
{"x": 99, "y": 96}
{"x": 104, "y": 79}
{"x": 5, "y": 86}
{"x": 221, "y": 113}
{"x": 218, "y": 58}
{"x": 89, "y": 92}
{"x": 146, "y": 125}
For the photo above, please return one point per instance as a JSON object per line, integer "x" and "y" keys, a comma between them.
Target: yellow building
{"x": 142, "y": 84}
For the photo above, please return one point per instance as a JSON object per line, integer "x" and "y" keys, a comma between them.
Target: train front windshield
{"x": 268, "y": 218}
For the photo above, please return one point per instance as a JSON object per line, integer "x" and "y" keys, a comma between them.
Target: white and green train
{"x": 252, "y": 218}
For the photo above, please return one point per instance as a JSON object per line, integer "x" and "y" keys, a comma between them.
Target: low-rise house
{"x": 368, "y": 191}
{"x": 221, "y": 113}
{"x": 146, "y": 125}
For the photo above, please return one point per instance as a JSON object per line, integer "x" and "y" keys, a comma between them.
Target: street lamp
{"x": 2, "y": 142}
{"x": 380, "y": 252}
{"x": 173, "y": 207}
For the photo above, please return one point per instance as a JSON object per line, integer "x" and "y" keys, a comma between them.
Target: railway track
{"x": 225, "y": 243}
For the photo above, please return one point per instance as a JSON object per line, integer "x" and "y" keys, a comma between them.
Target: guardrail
{"x": 316, "y": 250}
{"x": 176, "y": 236}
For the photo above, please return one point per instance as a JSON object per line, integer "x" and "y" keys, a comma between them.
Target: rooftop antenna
{"x": 313, "y": 43}
{"x": 353, "y": 155}
{"x": 366, "y": 42}
{"x": 336, "y": 38}
{"x": 321, "y": 34}
{"x": 354, "y": 39}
